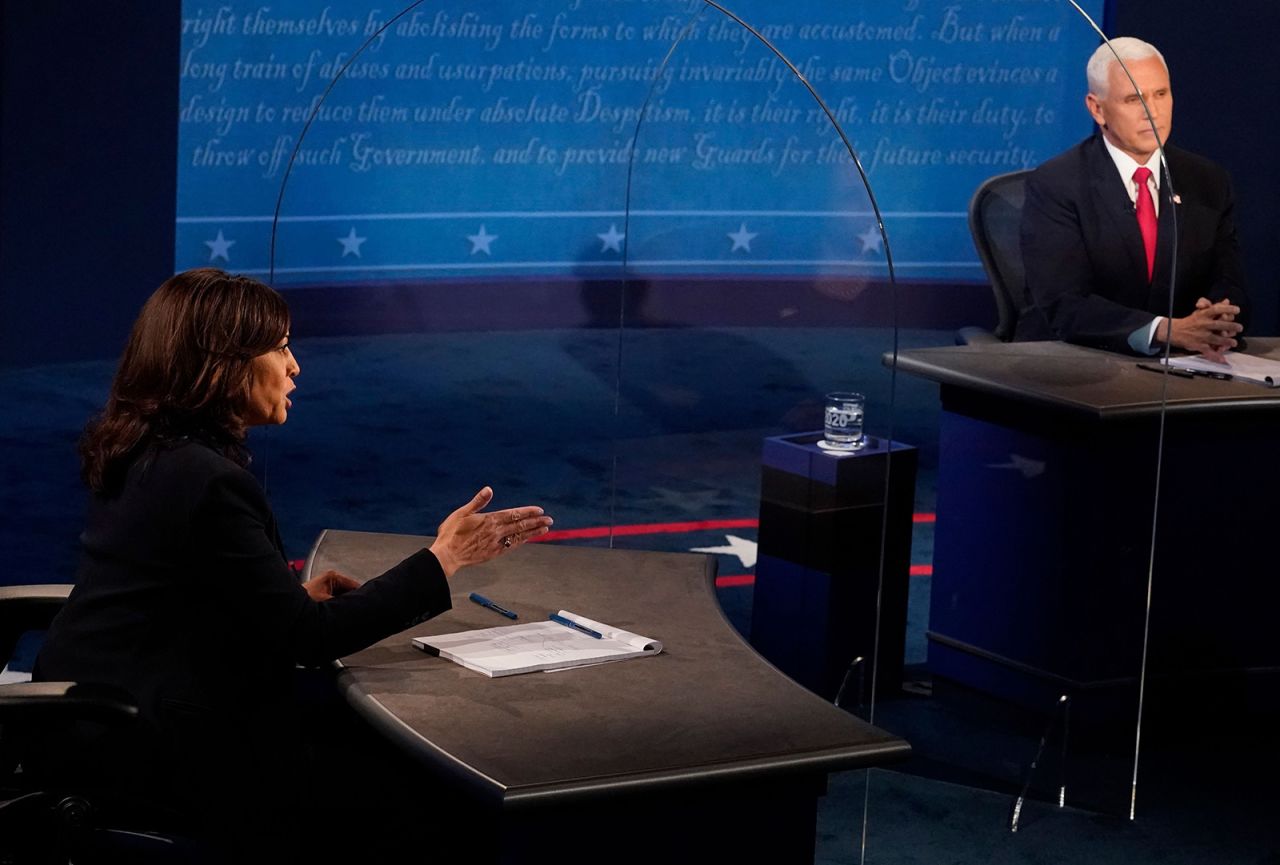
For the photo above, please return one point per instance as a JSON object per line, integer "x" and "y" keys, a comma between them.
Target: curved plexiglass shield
{"x": 757, "y": 284}
{"x": 432, "y": 205}
{"x": 1068, "y": 627}
{"x": 1197, "y": 643}
{"x": 1036, "y": 621}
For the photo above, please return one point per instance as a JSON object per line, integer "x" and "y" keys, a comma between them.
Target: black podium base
{"x": 818, "y": 576}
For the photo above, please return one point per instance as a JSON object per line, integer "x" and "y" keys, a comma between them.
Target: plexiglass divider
{"x": 460, "y": 237}
{"x": 748, "y": 290}
{"x": 1042, "y": 566}
{"x": 763, "y": 239}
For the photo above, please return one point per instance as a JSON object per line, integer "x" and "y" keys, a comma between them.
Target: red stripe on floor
{"x": 647, "y": 529}
{"x": 671, "y": 528}
{"x": 750, "y": 580}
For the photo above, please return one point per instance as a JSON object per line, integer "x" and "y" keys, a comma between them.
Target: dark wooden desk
{"x": 1046, "y": 488}
{"x": 629, "y": 760}
{"x": 1079, "y": 383}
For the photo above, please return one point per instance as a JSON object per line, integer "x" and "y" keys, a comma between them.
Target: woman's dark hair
{"x": 185, "y": 370}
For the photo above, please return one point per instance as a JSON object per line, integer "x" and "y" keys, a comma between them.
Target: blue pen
{"x": 485, "y": 602}
{"x": 569, "y": 623}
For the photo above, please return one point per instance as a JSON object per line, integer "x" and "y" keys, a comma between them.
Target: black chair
{"x": 27, "y": 608}
{"x": 995, "y": 217}
{"x": 47, "y": 813}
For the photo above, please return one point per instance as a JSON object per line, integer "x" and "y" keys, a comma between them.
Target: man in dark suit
{"x": 1098, "y": 226}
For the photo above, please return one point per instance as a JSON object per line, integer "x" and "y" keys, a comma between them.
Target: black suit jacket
{"x": 1085, "y": 264}
{"x": 184, "y": 598}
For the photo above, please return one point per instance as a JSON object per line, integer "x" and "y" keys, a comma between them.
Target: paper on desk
{"x": 524, "y": 648}
{"x": 1245, "y": 367}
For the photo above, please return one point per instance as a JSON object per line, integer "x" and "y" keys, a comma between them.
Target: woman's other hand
{"x": 468, "y": 537}
{"x": 328, "y": 584}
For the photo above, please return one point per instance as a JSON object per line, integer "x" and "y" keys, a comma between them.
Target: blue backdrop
{"x": 494, "y": 139}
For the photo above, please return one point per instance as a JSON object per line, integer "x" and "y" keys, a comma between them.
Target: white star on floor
{"x": 612, "y": 239}
{"x": 744, "y": 549}
{"x": 219, "y": 247}
{"x": 1028, "y": 468}
{"x": 351, "y": 244}
{"x": 742, "y": 238}
{"x": 480, "y": 242}
{"x": 871, "y": 240}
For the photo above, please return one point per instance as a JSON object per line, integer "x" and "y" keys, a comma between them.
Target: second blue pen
{"x": 485, "y": 602}
{"x": 569, "y": 623}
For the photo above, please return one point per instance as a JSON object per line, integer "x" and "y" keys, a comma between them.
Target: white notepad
{"x": 525, "y": 648}
{"x": 1240, "y": 367}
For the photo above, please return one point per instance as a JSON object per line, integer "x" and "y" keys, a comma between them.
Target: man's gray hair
{"x": 1126, "y": 48}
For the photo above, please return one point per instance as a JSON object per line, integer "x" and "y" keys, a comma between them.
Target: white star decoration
{"x": 744, "y": 549}
{"x": 742, "y": 238}
{"x": 351, "y": 243}
{"x": 612, "y": 239}
{"x": 1028, "y": 468}
{"x": 871, "y": 240}
{"x": 480, "y": 241}
{"x": 219, "y": 247}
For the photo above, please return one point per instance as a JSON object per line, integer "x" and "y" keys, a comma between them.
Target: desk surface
{"x": 1085, "y": 381}
{"x": 708, "y": 708}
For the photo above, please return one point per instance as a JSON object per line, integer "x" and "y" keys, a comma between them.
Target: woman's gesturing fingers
{"x": 468, "y": 536}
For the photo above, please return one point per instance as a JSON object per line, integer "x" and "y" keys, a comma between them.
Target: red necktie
{"x": 1146, "y": 217}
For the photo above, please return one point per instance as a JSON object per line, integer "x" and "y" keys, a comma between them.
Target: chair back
{"x": 45, "y": 815}
{"x": 25, "y": 611}
{"x": 995, "y": 221}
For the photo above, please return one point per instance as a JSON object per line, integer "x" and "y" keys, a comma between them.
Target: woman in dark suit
{"x": 184, "y": 596}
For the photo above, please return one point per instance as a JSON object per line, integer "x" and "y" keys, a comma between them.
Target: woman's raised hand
{"x": 468, "y": 537}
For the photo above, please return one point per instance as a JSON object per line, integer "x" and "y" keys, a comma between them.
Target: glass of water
{"x": 842, "y": 424}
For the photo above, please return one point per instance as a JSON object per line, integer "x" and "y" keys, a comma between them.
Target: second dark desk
{"x": 1046, "y": 480}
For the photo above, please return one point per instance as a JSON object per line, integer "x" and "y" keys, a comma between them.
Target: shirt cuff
{"x": 1143, "y": 340}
